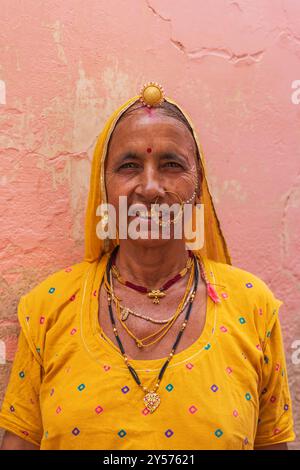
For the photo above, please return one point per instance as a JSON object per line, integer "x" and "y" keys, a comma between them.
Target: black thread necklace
{"x": 151, "y": 398}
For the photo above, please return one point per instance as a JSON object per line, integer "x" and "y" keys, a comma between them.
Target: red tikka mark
{"x": 149, "y": 111}
{"x": 149, "y": 150}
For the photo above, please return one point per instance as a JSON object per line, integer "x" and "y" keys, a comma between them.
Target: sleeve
{"x": 275, "y": 422}
{"x": 20, "y": 413}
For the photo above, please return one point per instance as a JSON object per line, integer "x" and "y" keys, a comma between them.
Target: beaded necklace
{"x": 126, "y": 311}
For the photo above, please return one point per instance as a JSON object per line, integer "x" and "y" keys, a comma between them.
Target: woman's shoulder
{"x": 246, "y": 290}
{"x": 56, "y": 288}
{"x": 51, "y": 302}
{"x": 235, "y": 275}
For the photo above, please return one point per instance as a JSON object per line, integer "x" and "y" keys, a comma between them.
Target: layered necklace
{"x": 151, "y": 397}
{"x": 159, "y": 334}
{"x": 125, "y": 312}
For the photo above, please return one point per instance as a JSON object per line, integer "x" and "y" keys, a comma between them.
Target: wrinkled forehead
{"x": 151, "y": 126}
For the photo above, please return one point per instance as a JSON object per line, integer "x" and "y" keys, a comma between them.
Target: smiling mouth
{"x": 148, "y": 214}
{"x": 149, "y": 217}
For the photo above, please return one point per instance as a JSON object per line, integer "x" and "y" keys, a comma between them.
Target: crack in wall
{"x": 222, "y": 53}
{"x": 225, "y": 54}
{"x": 156, "y": 13}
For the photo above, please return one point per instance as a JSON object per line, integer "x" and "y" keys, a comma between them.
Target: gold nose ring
{"x": 154, "y": 213}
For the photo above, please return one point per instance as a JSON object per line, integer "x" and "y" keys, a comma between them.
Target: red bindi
{"x": 149, "y": 149}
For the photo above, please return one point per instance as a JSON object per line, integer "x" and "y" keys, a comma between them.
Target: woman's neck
{"x": 151, "y": 266}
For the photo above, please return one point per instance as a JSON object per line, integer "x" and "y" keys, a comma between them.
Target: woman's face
{"x": 149, "y": 154}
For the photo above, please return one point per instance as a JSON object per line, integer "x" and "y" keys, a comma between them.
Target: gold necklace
{"x": 164, "y": 330}
{"x": 126, "y": 311}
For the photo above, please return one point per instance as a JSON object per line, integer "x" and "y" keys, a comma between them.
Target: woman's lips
{"x": 148, "y": 217}
{"x": 143, "y": 213}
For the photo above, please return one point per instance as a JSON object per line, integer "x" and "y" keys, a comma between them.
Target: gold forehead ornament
{"x": 152, "y": 94}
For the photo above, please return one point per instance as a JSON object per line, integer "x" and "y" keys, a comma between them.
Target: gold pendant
{"x": 156, "y": 295}
{"x": 152, "y": 401}
{"x": 125, "y": 312}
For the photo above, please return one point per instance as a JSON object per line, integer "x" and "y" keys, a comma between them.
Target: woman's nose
{"x": 150, "y": 186}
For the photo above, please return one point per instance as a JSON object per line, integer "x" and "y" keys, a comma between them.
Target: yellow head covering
{"x": 214, "y": 247}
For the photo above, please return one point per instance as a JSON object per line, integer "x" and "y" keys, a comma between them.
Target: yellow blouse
{"x": 70, "y": 389}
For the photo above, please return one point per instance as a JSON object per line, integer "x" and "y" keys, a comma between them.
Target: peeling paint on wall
{"x": 234, "y": 68}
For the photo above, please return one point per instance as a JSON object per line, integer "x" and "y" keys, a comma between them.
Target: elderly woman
{"x": 149, "y": 343}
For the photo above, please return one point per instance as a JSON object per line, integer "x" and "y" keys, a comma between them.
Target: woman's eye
{"x": 173, "y": 164}
{"x": 128, "y": 165}
{"x": 133, "y": 165}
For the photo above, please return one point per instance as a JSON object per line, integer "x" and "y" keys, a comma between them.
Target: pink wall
{"x": 66, "y": 65}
